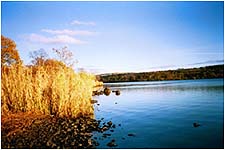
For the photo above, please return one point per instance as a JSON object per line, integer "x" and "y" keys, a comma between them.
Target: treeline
{"x": 208, "y": 72}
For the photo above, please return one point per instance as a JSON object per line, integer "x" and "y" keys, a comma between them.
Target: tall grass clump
{"x": 55, "y": 90}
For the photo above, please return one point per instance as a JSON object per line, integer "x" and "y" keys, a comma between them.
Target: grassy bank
{"x": 54, "y": 90}
{"x": 46, "y": 104}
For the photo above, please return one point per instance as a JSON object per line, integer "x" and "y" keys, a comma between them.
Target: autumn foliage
{"x": 50, "y": 87}
{"x": 9, "y": 54}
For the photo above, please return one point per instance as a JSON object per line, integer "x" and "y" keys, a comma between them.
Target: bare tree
{"x": 38, "y": 57}
{"x": 66, "y": 56}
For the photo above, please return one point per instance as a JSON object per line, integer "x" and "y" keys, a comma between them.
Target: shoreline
{"x": 208, "y": 72}
{"x": 159, "y": 80}
{"x": 45, "y": 131}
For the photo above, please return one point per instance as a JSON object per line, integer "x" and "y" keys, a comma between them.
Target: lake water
{"x": 161, "y": 114}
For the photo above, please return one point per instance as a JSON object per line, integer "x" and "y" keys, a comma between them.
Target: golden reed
{"x": 47, "y": 89}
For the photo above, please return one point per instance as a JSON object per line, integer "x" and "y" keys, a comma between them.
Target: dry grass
{"x": 49, "y": 90}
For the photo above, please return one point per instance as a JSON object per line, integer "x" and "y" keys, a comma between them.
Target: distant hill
{"x": 208, "y": 72}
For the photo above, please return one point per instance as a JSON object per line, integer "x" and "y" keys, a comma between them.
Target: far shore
{"x": 207, "y": 72}
{"x": 159, "y": 80}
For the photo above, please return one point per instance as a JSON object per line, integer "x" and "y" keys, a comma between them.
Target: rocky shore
{"x": 53, "y": 132}
{"x": 30, "y": 130}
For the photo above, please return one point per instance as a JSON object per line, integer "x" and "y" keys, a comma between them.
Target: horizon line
{"x": 166, "y": 69}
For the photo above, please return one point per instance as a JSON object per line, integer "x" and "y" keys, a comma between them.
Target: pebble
{"x": 117, "y": 92}
{"x": 107, "y": 91}
{"x": 104, "y": 128}
{"x": 89, "y": 142}
{"x": 107, "y": 134}
{"x": 112, "y": 144}
{"x": 196, "y": 125}
{"x": 109, "y": 123}
{"x": 131, "y": 134}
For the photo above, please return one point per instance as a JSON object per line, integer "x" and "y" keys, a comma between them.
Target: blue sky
{"x": 120, "y": 36}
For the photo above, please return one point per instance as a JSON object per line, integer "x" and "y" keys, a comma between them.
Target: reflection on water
{"x": 161, "y": 114}
{"x": 169, "y": 85}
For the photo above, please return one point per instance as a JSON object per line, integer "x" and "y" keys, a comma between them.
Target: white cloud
{"x": 69, "y": 32}
{"x": 76, "y": 22}
{"x": 58, "y": 39}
